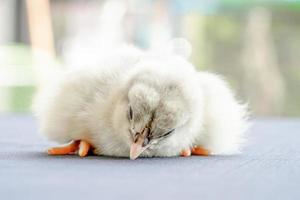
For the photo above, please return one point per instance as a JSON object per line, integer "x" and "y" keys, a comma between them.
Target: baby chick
{"x": 141, "y": 104}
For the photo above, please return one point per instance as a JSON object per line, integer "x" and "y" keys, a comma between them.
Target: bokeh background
{"x": 254, "y": 44}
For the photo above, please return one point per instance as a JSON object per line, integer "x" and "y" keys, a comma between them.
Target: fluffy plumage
{"x": 108, "y": 104}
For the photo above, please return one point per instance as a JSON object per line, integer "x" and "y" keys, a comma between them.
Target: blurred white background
{"x": 254, "y": 44}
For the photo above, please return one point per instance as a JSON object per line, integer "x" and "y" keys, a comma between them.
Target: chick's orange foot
{"x": 199, "y": 151}
{"x": 80, "y": 146}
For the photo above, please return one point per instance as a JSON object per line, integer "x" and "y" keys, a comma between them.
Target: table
{"x": 269, "y": 168}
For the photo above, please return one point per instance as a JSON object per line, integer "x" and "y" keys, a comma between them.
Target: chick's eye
{"x": 130, "y": 113}
{"x": 168, "y": 133}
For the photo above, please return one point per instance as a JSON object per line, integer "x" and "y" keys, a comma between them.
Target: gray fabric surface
{"x": 269, "y": 168}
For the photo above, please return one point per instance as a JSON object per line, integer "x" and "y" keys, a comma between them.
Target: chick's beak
{"x": 139, "y": 145}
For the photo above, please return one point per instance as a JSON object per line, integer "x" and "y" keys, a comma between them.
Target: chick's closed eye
{"x": 130, "y": 113}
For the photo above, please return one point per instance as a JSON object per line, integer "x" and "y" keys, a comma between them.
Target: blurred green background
{"x": 254, "y": 44}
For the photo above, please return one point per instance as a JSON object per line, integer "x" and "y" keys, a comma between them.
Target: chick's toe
{"x": 63, "y": 150}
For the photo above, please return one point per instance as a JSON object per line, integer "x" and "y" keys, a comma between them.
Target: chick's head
{"x": 153, "y": 113}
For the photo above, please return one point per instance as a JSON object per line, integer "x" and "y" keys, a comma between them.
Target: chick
{"x": 141, "y": 104}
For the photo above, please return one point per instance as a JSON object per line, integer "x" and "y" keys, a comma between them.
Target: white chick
{"x": 142, "y": 104}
